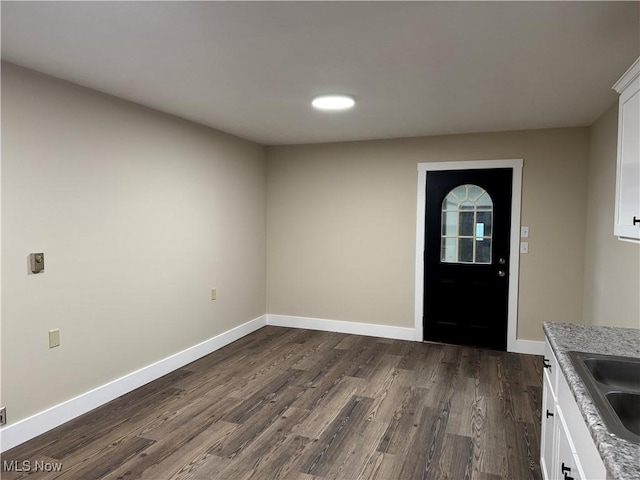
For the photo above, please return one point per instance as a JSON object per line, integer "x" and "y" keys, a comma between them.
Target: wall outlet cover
{"x": 54, "y": 338}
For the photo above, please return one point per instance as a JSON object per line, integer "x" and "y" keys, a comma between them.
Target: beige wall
{"x": 139, "y": 215}
{"x": 341, "y": 222}
{"x": 612, "y": 267}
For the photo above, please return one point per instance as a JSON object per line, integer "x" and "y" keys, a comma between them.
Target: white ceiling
{"x": 415, "y": 68}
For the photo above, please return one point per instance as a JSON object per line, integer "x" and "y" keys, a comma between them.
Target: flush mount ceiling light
{"x": 333, "y": 102}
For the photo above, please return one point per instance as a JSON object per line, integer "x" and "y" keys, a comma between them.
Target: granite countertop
{"x": 620, "y": 457}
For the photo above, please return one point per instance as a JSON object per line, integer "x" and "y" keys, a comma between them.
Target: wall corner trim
{"x": 341, "y": 326}
{"x": 23, "y": 430}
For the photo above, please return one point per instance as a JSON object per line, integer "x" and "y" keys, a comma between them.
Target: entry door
{"x": 466, "y": 264}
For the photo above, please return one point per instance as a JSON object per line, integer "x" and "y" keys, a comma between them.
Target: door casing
{"x": 514, "y": 256}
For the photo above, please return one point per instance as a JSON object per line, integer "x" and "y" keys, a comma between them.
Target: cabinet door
{"x": 628, "y": 173}
{"x": 586, "y": 456}
{"x": 565, "y": 467}
{"x": 548, "y": 432}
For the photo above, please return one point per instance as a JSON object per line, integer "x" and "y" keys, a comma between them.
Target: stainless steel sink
{"x": 616, "y": 373}
{"x": 627, "y": 407}
{"x": 614, "y": 385}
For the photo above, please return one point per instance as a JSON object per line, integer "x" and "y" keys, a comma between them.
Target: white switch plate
{"x": 213, "y": 294}
{"x": 524, "y": 247}
{"x": 54, "y": 338}
{"x": 524, "y": 232}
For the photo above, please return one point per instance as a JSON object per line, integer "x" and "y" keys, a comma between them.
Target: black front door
{"x": 466, "y": 263}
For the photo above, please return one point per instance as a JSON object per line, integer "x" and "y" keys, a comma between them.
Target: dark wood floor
{"x": 287, "y": 403}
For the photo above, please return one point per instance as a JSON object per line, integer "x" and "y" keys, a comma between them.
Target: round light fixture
{"x": 333, "y": 102}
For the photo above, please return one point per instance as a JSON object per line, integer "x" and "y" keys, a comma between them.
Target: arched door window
{"x": 467, "y": 221}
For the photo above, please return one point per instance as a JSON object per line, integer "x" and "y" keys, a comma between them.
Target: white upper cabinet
{"x": 627, "y": 212}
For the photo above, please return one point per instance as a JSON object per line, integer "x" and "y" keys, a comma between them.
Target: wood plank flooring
{"x": 295, "y": 404}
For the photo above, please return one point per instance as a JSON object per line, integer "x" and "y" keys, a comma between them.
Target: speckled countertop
{"x": 620, "y": 457}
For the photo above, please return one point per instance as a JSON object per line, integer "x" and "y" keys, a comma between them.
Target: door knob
{"x": 501, "y": 273}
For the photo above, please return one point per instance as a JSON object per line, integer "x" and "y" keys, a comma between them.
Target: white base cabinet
{"x": 566, "y": 451}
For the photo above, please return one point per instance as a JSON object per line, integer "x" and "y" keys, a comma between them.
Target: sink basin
{"x": 623, "y": 374}
{"x": 614, "y": 385}
{"x": 627, "y": 407}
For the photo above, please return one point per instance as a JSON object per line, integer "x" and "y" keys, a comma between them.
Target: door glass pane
{"x": 450, "y": 203}
{"x": 465, "y": 253}
{"x": 450, "y": 223}
{"x": 474, "y": 192}
{"x": 460, "y": 193}
{"x": 484, "y": 201}
{"x": 467, "y": 225}
{"x": 483, "y": 250}
{"x": 485, "y": 218}
{"x": 449, "y": 253}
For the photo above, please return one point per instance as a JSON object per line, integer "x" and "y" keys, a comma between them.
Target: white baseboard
{"x": 384, "y": 331}
{"x": 19, "y": 432}
{"x": 340, "y": 326}
{"x": 23, "y": 430}
{"x": 530, "y": 347}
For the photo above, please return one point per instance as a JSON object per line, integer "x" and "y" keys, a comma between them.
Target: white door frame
{"x": 514, "y": 255}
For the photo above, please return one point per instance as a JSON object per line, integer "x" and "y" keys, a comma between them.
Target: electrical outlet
{"x": 54, "y": 338}
{"x": 3, "y": 415}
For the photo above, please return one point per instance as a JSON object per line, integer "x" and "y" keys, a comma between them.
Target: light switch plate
{"x": 54, "y": 338}
{"x": 524, "y": 247}
{"x": 524, "y": 232}
{"x": 213, "y": 294}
